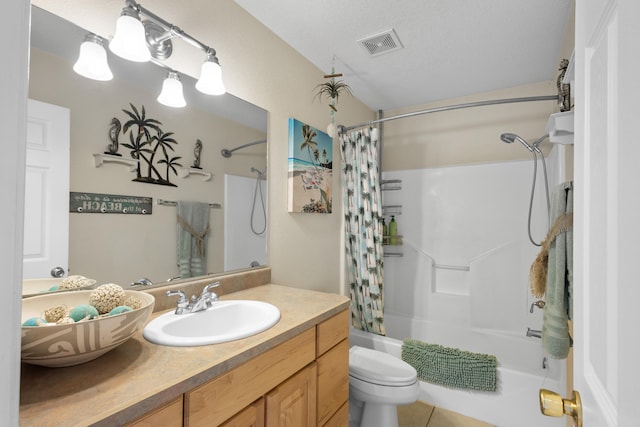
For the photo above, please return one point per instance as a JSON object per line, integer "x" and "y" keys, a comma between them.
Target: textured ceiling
{"x": 450, "y": 48}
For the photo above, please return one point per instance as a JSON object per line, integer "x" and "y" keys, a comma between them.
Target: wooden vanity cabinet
{"x": 301, "y": 382}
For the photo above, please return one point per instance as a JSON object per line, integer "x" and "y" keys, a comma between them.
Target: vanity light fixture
{"x": 92, "y": 61}
{"x": 172, "y": 95}
{"x": 210, "y": 81}
{"x": 129, "y": 41}
{"x": 150, "y": 40}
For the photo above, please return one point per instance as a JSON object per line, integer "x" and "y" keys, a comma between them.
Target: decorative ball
{"x": 107, "y": 297}
{"x": 82, "y": 312}
{"x": 54, "y": 288}
{"x": 331, "y": 130}
{"x": 133, "y": 302}
{"x": 53, "y": 314}
{"x": 120, "y": 309}
{"x": 34, "y": 321}
{"x": 74, "y": 282}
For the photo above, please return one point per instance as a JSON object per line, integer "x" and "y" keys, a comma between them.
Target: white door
{"x": 607, "y": 211}
{"x": 46, "y": 207}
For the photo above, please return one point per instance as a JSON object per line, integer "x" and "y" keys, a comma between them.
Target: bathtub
{"x": 520, "y": 372}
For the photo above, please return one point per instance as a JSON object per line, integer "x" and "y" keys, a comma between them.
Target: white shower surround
{"x": 241, "y": 245}
{"x": 473, "y": 217}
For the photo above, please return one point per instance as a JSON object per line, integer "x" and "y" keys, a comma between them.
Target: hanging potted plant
{"x": 332, "y": 89}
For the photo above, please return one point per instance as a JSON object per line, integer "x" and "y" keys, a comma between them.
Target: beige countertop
{"x": 139, "y": 376}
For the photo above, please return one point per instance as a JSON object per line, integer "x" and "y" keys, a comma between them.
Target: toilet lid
{"x": 379, "y": 368}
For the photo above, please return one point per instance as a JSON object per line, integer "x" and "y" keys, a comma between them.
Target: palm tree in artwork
{"x": 171, "y": 165}
{"x": 137, "y": 147}
{"x": 307, "y": 142}
{"x": 144, "y": 126}
{"x": 163, "y": 141}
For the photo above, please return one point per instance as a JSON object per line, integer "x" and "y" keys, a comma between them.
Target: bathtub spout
{"x": 534, "y": 333}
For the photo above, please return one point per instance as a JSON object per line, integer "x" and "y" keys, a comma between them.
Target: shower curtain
{"x": 363, "y": 229}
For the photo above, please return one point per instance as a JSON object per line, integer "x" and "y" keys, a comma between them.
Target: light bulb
{"x": 171, "y": 94}
{"x": 92, "y": 61}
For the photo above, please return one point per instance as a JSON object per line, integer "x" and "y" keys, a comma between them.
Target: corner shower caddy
{"x": 391, "y": 250}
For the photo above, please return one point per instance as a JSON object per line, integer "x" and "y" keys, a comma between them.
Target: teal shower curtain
{"x": 363, "y": 229}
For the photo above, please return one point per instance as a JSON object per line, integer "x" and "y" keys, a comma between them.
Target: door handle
{"x": 553, "y": 405}
{"x": 57, "y": 272}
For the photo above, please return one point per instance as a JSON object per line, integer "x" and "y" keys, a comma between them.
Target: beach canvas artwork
{"x": 310, "y": 166}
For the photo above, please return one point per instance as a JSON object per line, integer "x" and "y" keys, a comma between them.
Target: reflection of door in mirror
{"x": 46, "y": 210}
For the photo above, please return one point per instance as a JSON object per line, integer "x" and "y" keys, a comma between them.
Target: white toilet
{"x": 378, "y": 383}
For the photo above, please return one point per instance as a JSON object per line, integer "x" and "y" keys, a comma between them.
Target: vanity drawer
{"x": 332, "y": 331}
{"x": 169, "y": 415}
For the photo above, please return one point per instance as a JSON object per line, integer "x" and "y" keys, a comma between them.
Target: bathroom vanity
{"x": 295, "y": 373}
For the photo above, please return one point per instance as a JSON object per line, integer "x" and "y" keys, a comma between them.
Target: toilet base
{"x": 379, "y": 415}
{"x": 372, "y": 414}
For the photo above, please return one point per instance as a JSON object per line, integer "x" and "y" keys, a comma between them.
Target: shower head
{"x": 509, "y": 138}
{"x": 225, "y": 153}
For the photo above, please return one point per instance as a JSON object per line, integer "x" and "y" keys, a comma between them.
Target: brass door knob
{"x": 553, "y": 405}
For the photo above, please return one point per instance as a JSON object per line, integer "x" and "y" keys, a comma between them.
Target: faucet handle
{"x": 209, "y": 287}
{"x": 540, "y": 304}
{"x": 183, "y": 302}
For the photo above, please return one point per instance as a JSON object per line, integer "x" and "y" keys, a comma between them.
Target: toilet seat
{"x": 380, "y": 368}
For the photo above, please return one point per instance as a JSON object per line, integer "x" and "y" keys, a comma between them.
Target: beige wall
{"x": 304, "y": 249}
{"x": 465, "y": 136}
{"x": 123, "y": 248}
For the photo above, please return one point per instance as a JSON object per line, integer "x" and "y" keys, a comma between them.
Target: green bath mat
{"x": 451, "y": 367}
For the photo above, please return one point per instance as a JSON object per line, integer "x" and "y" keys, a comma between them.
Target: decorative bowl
{"x": 58, "y": 345}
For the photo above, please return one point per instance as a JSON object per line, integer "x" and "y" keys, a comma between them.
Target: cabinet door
{"x": 251, "y": 416}
{"x": 293, "y": 403}
{"x": 333, "y": 381}
{"x": 169, "y": 415}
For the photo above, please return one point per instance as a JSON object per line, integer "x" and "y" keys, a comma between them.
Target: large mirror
{"x": 124, "y": 248}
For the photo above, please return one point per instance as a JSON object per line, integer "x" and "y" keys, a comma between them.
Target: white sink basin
{"x": 224, "y": 321}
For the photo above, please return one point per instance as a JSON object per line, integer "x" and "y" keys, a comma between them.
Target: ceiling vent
{"x": 377, "y": 44}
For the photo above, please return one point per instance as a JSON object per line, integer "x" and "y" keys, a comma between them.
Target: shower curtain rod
{"x": 342, "y": 129}
{"x": 262, "y": 141}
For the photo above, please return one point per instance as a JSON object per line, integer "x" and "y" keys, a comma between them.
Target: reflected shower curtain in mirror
{"x": 363, "y": 229}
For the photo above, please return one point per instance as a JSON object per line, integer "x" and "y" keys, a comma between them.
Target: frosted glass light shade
{"x": 92, "y": 61}
{"x": 210, "y": 81}
{"x": 129, "y": 41}
{"x": 172, "y": 95}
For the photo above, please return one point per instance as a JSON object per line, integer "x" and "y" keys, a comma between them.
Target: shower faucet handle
{"x": 540, "y": 304}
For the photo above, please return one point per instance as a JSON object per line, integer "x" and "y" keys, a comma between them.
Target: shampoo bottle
{"x": 393, "y": 231}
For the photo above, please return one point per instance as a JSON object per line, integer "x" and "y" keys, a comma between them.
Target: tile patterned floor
{"x": 421, "y": 414}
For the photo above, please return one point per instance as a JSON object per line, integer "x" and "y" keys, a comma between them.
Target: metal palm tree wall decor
{"x": 147, "y": 142}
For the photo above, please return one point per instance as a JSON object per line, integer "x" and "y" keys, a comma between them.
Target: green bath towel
{"x": 451, "y": 367}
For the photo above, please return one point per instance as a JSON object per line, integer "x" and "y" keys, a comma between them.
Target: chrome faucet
{"x": 142, "y": 282}
{"x": 534, "y": 333}
{"x": 204, "y": 301}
